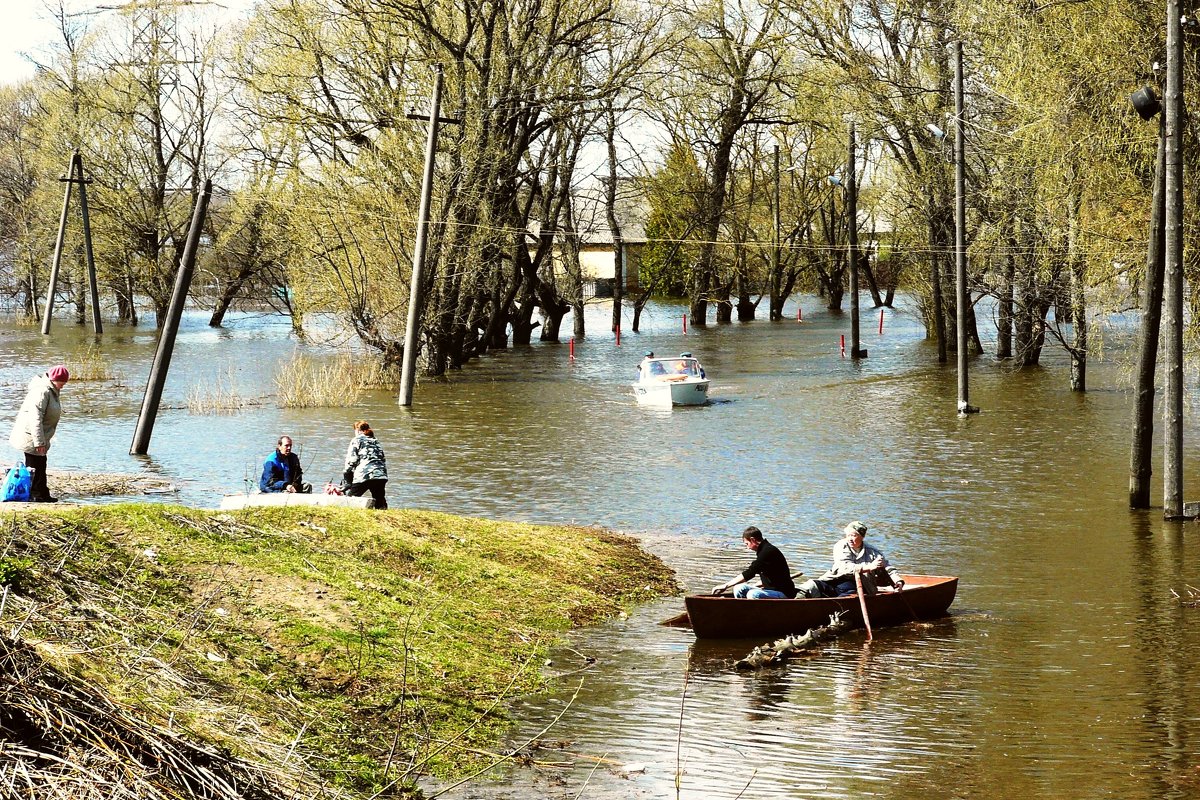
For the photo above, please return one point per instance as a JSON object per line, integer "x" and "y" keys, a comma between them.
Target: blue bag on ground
{"x": 18, "y": 484}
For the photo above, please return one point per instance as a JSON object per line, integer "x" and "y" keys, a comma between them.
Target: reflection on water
{"x": 1065, "y": 672}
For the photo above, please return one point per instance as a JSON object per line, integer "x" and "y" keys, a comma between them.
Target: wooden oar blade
{"x": 678, "y": 621}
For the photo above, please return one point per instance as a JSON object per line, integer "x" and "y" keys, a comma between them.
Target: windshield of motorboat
{"x": 670, "y": 368}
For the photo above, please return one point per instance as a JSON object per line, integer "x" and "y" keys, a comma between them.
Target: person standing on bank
{"x": 282, "y": 471}
{"x": 771, "y": 567}
{"x": 35, "y": 426}
{"x": 366, "y": 467}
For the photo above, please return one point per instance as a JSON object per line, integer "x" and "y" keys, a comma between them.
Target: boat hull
{"x": 924, "y": 597}
{"x": 672, "y": 393}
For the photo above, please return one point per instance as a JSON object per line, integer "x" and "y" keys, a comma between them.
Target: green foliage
{"x": 16, "y": 574}
{"x": 676, "y": 192}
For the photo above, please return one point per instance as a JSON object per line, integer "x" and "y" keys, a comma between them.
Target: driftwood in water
{"x": 782, "y": 649}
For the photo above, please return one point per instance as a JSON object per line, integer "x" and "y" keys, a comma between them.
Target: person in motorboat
{"x": 282, "y": 471}
{"x": 769, "y": 564}
{"x": 852, "y": 554}
{"x": 642, "y": 364}
{"x": 698, "y": 365}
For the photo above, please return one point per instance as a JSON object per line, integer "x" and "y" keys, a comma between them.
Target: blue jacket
{"x": 279, "y": 471}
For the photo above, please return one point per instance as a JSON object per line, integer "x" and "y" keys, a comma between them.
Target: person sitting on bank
{"x": 282, "y": 471}
{"x": 851, "y": 554}
{"x": 769, "y": 564}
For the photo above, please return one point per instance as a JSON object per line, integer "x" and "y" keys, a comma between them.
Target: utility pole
{"x": 166, "y": 341}
{"x": 74, "y": 176}
{"x": 776, "y": 277}
{"x": 852, "y": 246}
{"x": 1140, "y": 468}
{"x": 1173, "y": 277}
{"x": 960, "y": 233}
{"x": 416, "y": 289}
{"x": 97, "y": 324}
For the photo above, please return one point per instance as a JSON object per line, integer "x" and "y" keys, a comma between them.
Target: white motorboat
{"x": 669, "y": 382}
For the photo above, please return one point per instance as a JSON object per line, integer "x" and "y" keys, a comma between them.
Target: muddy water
{"x": 1067, "y": 670}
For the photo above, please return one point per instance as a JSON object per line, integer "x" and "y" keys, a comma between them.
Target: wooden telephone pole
{"x": 74, "y": 176}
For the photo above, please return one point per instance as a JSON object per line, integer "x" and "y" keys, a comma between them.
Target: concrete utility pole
{"x": 58, "y": 246}
{"x": 962, "y": 298}
{"x": 776, "y": 276}
{"x": 74, "y": 175}
{"x": 416, "y": 289}
{"x": 852, "y": 246}
{"x": 1173, "y": 278}
{"x": 166, "y": 341}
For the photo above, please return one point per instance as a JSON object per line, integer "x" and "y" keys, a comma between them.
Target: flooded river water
{"x": 1066, "y": 670}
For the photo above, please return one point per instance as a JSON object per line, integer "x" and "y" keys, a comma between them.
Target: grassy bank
{"x": 323, "y": 652}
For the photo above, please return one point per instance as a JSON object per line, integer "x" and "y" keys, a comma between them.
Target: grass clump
{"x": 350, "y": 650}
{"x": 219, "y": 396}
{"x": 15, "y": 573}
{"x": 89, "y": 364}
{"x": 307, "y": 382}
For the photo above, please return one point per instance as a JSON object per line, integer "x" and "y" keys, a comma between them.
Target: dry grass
{"x": 218, "y": 397}
{"x": 307, "y": 382}
{"x": 89, "y": 364}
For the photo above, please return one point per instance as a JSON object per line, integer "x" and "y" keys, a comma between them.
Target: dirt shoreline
{"x": 69, "y": 485}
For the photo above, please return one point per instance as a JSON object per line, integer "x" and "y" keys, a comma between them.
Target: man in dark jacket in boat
{"x": 769, "y": 564}
{"x": 852, "y": 554}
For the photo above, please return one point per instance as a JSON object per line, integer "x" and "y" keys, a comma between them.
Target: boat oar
{"x": 862, "y": 602}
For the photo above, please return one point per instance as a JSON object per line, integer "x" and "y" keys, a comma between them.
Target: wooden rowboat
{"x": 924, "y": 597}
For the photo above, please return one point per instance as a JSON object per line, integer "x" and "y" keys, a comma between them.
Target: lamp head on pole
{"x": 1145, "y": 102}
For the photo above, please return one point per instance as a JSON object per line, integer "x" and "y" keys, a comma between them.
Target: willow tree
{"x": 1068, "y": 165}
{"x": 23, "y": 236}
{"x": 721, "y": 78}
{"x": 891, "y": 65}
{"x": 152, "y": 97}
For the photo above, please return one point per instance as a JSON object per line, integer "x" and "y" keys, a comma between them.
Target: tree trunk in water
{"x": 1140, "y": 468}
{"x": 1004, "y": 321}
{"x": 610, "y": 210}
{"x": 864, "y": 268}
{"x": 1079, "y": 342}
{"x": 938, "y": 311}
{"x": 228, "y": 294}
{"x": 81, "y": 289}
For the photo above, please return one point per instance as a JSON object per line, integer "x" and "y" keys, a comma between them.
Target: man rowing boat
{"x": 769, "y": 564}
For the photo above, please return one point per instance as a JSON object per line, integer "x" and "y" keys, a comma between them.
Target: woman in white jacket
{"x": 35, "y": 425}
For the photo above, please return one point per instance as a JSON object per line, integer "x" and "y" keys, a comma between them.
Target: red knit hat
{"x": 59, "y": 374}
